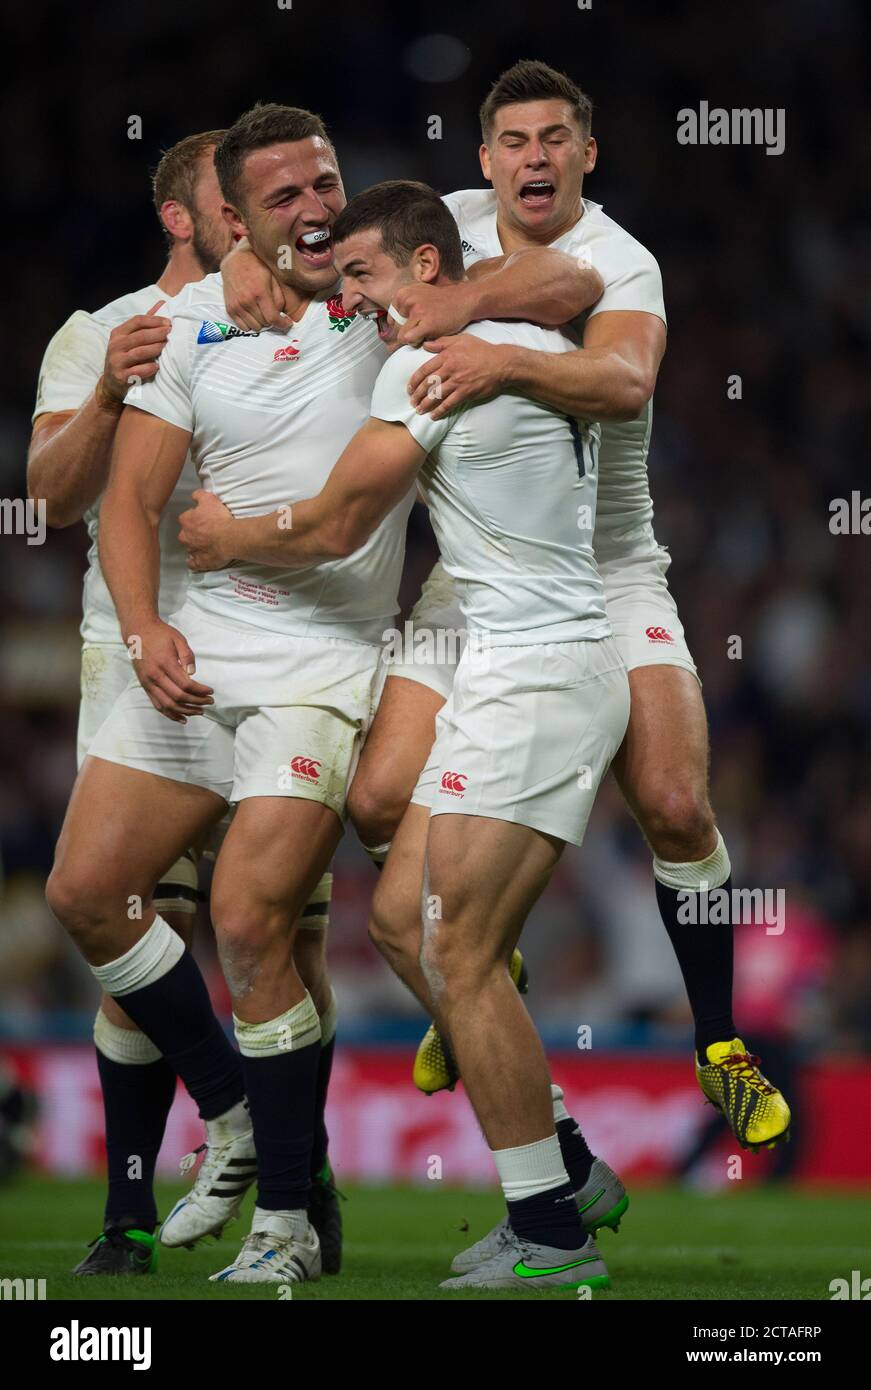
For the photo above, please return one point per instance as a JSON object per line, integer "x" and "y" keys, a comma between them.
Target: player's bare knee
{"x": 396, "y": 937}
{"x": 82, "y": 902}
{"x": 679, "y": 824}
{"x": 246, "y": 936}
{"x": 375, "y": 807}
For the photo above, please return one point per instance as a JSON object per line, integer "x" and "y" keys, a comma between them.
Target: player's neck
{"x": 515, "y": 237}
{"x": 182, "y": 268}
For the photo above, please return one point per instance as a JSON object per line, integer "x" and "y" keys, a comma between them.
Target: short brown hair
{"x": 530, "y": 80}
{"x": 175, "y": 178}
{"x": 408, "y": 215}
{"x": 267, "y": 123}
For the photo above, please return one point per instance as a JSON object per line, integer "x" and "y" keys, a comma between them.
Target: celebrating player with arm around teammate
{"x": 536, "y": 149}
{"x": 254, "y": 693}
{"x": 538, "y": 709}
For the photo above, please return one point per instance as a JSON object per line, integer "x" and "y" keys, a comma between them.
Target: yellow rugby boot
{"x": 731, "y": 1080}
{"x": 434, "y": 1066}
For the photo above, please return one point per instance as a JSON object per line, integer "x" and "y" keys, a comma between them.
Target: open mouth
{"x": 315, "y": 248}
{"x": 537, "y": 193}
{"x": 384, "y": 326}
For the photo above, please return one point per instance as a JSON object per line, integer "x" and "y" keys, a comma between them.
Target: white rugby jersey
{"x": 270, "y": 413}
{"x": 71, "y": 368}
{"x": 511, "y": 488}
{"x": 624, "y": 525}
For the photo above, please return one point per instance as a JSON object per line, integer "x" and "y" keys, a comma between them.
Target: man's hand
{"x": 253, "y": 296}
{"x": 131, "y": 356}
{"x": 463, "y": 369}
{"x": 206, "y": 532}
{"x": 433, "y": 311}
{"x": 164, "y": 669}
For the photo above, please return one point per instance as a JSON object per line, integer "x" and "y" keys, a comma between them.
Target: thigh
{"x": 274, "y": 853}
{"x": 666, "y": 743}
{"x": 399, "y": 741}
{"x": 483, "y": 877}
{"x": 124, "y": 827}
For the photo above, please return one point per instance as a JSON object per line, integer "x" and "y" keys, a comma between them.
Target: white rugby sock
{"x": 559, "y": 1109}
{"x": 378, "y": 853}
{"x": 149, "y": 960}
{"x": 229, "y": 1126}
{"x": 698, "y": 875}
{"x": 280, "y": 1223}
{"x": 530, "y": 1168}
{"x": 128, "y": 1046}
{"x": 298, "y": 1027}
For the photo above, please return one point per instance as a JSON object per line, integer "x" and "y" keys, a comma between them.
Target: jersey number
{"x": 577, "y": 444}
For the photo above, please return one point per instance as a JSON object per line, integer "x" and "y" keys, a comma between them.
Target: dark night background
{"x": 766, "y": 263}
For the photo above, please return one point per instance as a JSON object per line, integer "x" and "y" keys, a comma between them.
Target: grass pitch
{"x": 754, "y": 1244}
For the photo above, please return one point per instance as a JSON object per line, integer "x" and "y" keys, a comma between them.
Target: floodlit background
{"x": 766, "y": 263}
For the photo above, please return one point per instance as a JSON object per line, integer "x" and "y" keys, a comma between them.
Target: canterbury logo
{"x": 287, "y": 354}
{"x": 305, "y": 767}
{"x": 659, "y": 634}
{"x": 454, "y": 782}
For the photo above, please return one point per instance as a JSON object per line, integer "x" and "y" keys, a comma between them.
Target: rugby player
{"x": 536, "y": 150}
{"x": 87, "y": 370}
{"x": 290, "y": 660}
{"x": 540, "y": 696}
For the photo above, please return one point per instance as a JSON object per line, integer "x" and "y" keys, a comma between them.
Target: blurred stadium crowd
{"x": 767, "y": 270}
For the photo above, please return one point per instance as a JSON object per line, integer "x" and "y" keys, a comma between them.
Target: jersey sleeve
{"x": 167, "y": 395}
{"x": 391, "y": 401}
{"x": 632, "y": 281}
{"x": 72, "y": 364}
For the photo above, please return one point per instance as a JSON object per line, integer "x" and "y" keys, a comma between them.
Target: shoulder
{"x": 469, "y": 205}
{"x": 519, "y": 333}
{"x": 400, "y": 367}
{"x": 126, "y": 307}
{"x": 199, "y": 301}
{"x": 611, "y": 241}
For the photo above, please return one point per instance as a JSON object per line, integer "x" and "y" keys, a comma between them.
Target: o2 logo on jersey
{"x": 454, "y": 783}
{"x": 659, "y": 634}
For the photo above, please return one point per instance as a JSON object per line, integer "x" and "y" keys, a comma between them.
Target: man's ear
{"x": 234, "y": 219}
{"x": 484, "y": 156}
{"x": 177, "y": 220}
{"x": 426, "y": 263}
{"x": 591, "y": 152}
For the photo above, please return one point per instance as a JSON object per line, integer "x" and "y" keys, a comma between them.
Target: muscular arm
{"x": 147, "y": 460}
{"x": 372, "y": 476}
{"x": 68, "y": 459}
{"x": 539, "y": 285}
{"x": 610, "y": 378}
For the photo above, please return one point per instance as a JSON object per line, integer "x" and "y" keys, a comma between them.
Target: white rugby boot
{"x": 226, "y": 1172}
